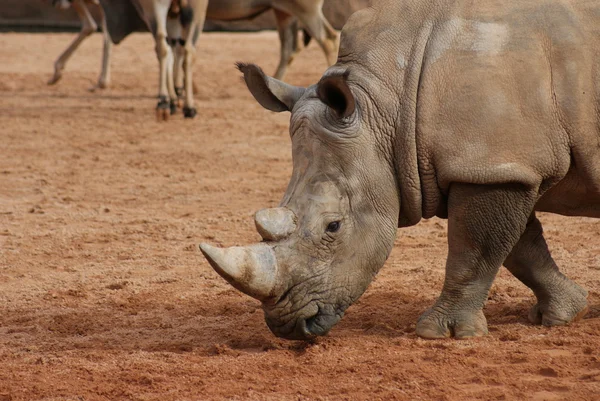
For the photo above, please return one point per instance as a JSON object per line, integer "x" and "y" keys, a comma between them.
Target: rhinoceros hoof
{"x": 189, "y": 112}
{"x": 440, "y": 323}
{"x": 569, "y": 307}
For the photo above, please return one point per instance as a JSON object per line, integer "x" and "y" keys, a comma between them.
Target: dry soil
{"x": 105, "y": 296}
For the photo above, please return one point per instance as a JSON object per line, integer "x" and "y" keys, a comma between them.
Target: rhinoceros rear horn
{"x": 250, "y": 269}
{"x": 275, "y": 224}
{"x": 333, "y": 90}
{"x": 271, "y": 93}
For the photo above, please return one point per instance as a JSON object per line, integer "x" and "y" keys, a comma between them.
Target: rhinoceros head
{"x": 337, "y": 221}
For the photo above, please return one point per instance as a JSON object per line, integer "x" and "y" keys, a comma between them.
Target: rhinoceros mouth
{"x": 307, "y": 328}
{"x": 321, "y": 323}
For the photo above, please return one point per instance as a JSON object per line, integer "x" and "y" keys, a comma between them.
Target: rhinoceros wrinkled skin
{"x": 481, "y": 112}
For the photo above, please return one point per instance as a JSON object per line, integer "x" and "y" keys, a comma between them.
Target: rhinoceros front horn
{"x": 251, "y": 269}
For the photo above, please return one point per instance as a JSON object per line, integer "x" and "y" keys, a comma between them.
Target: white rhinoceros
{"x": 482, "y": 112}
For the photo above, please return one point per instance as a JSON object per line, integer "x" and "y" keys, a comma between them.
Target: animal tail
{"x": 307, "y": 37}
{"x": 187, "y": 13}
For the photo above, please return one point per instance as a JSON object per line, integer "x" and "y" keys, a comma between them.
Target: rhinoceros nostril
{"x": 310, "y": 322}
{"x": 304, "y": 328}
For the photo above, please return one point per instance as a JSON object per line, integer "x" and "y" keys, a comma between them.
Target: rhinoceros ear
{"x": 271, "y": 93}
{"x": 333, "y": 90}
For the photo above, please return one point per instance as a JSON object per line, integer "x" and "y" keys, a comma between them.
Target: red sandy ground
{"x": 104, "y": 295}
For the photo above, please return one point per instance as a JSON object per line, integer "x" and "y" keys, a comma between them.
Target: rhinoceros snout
{"x": 300, "y": 331}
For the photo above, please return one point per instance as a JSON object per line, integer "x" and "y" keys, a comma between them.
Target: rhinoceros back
{"x": 493, "y": 91}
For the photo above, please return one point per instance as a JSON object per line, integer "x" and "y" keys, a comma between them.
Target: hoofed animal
{"x": 287, "y": 15}
{"x": 482, "y": 112}
{"x": 180, "y": 23}
{"x": 88, "y": 26}
{"x": 124, "y": 19}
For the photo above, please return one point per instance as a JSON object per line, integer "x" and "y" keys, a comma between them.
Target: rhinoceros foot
{"x": 438, "y": 322}
{"x": 563, "y": 306}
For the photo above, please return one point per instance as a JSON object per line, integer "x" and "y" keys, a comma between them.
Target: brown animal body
{"x": 185, "y": 27}
{"x": 120, "y": 18}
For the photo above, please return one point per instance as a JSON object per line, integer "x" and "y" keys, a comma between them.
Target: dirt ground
{"x": 105, "y": 296}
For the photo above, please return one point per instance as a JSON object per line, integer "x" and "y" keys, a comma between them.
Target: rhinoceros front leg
{"x": 560, "y": 300}
{"x": 484, "y": 224}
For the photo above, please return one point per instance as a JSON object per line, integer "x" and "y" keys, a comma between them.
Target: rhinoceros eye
{"x": 333, "y": 227}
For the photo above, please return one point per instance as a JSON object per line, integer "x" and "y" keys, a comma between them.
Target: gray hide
{"x": 479, "y": 112}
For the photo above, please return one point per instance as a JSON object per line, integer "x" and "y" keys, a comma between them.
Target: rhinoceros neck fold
{"x": 406, "y": 144}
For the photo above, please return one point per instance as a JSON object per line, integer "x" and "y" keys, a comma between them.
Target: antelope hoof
{"x": 189, "y": 112}
{"x": 163, "y": 109}
{"x": 99, "y": 85}
{"x": 57, "y": 76}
